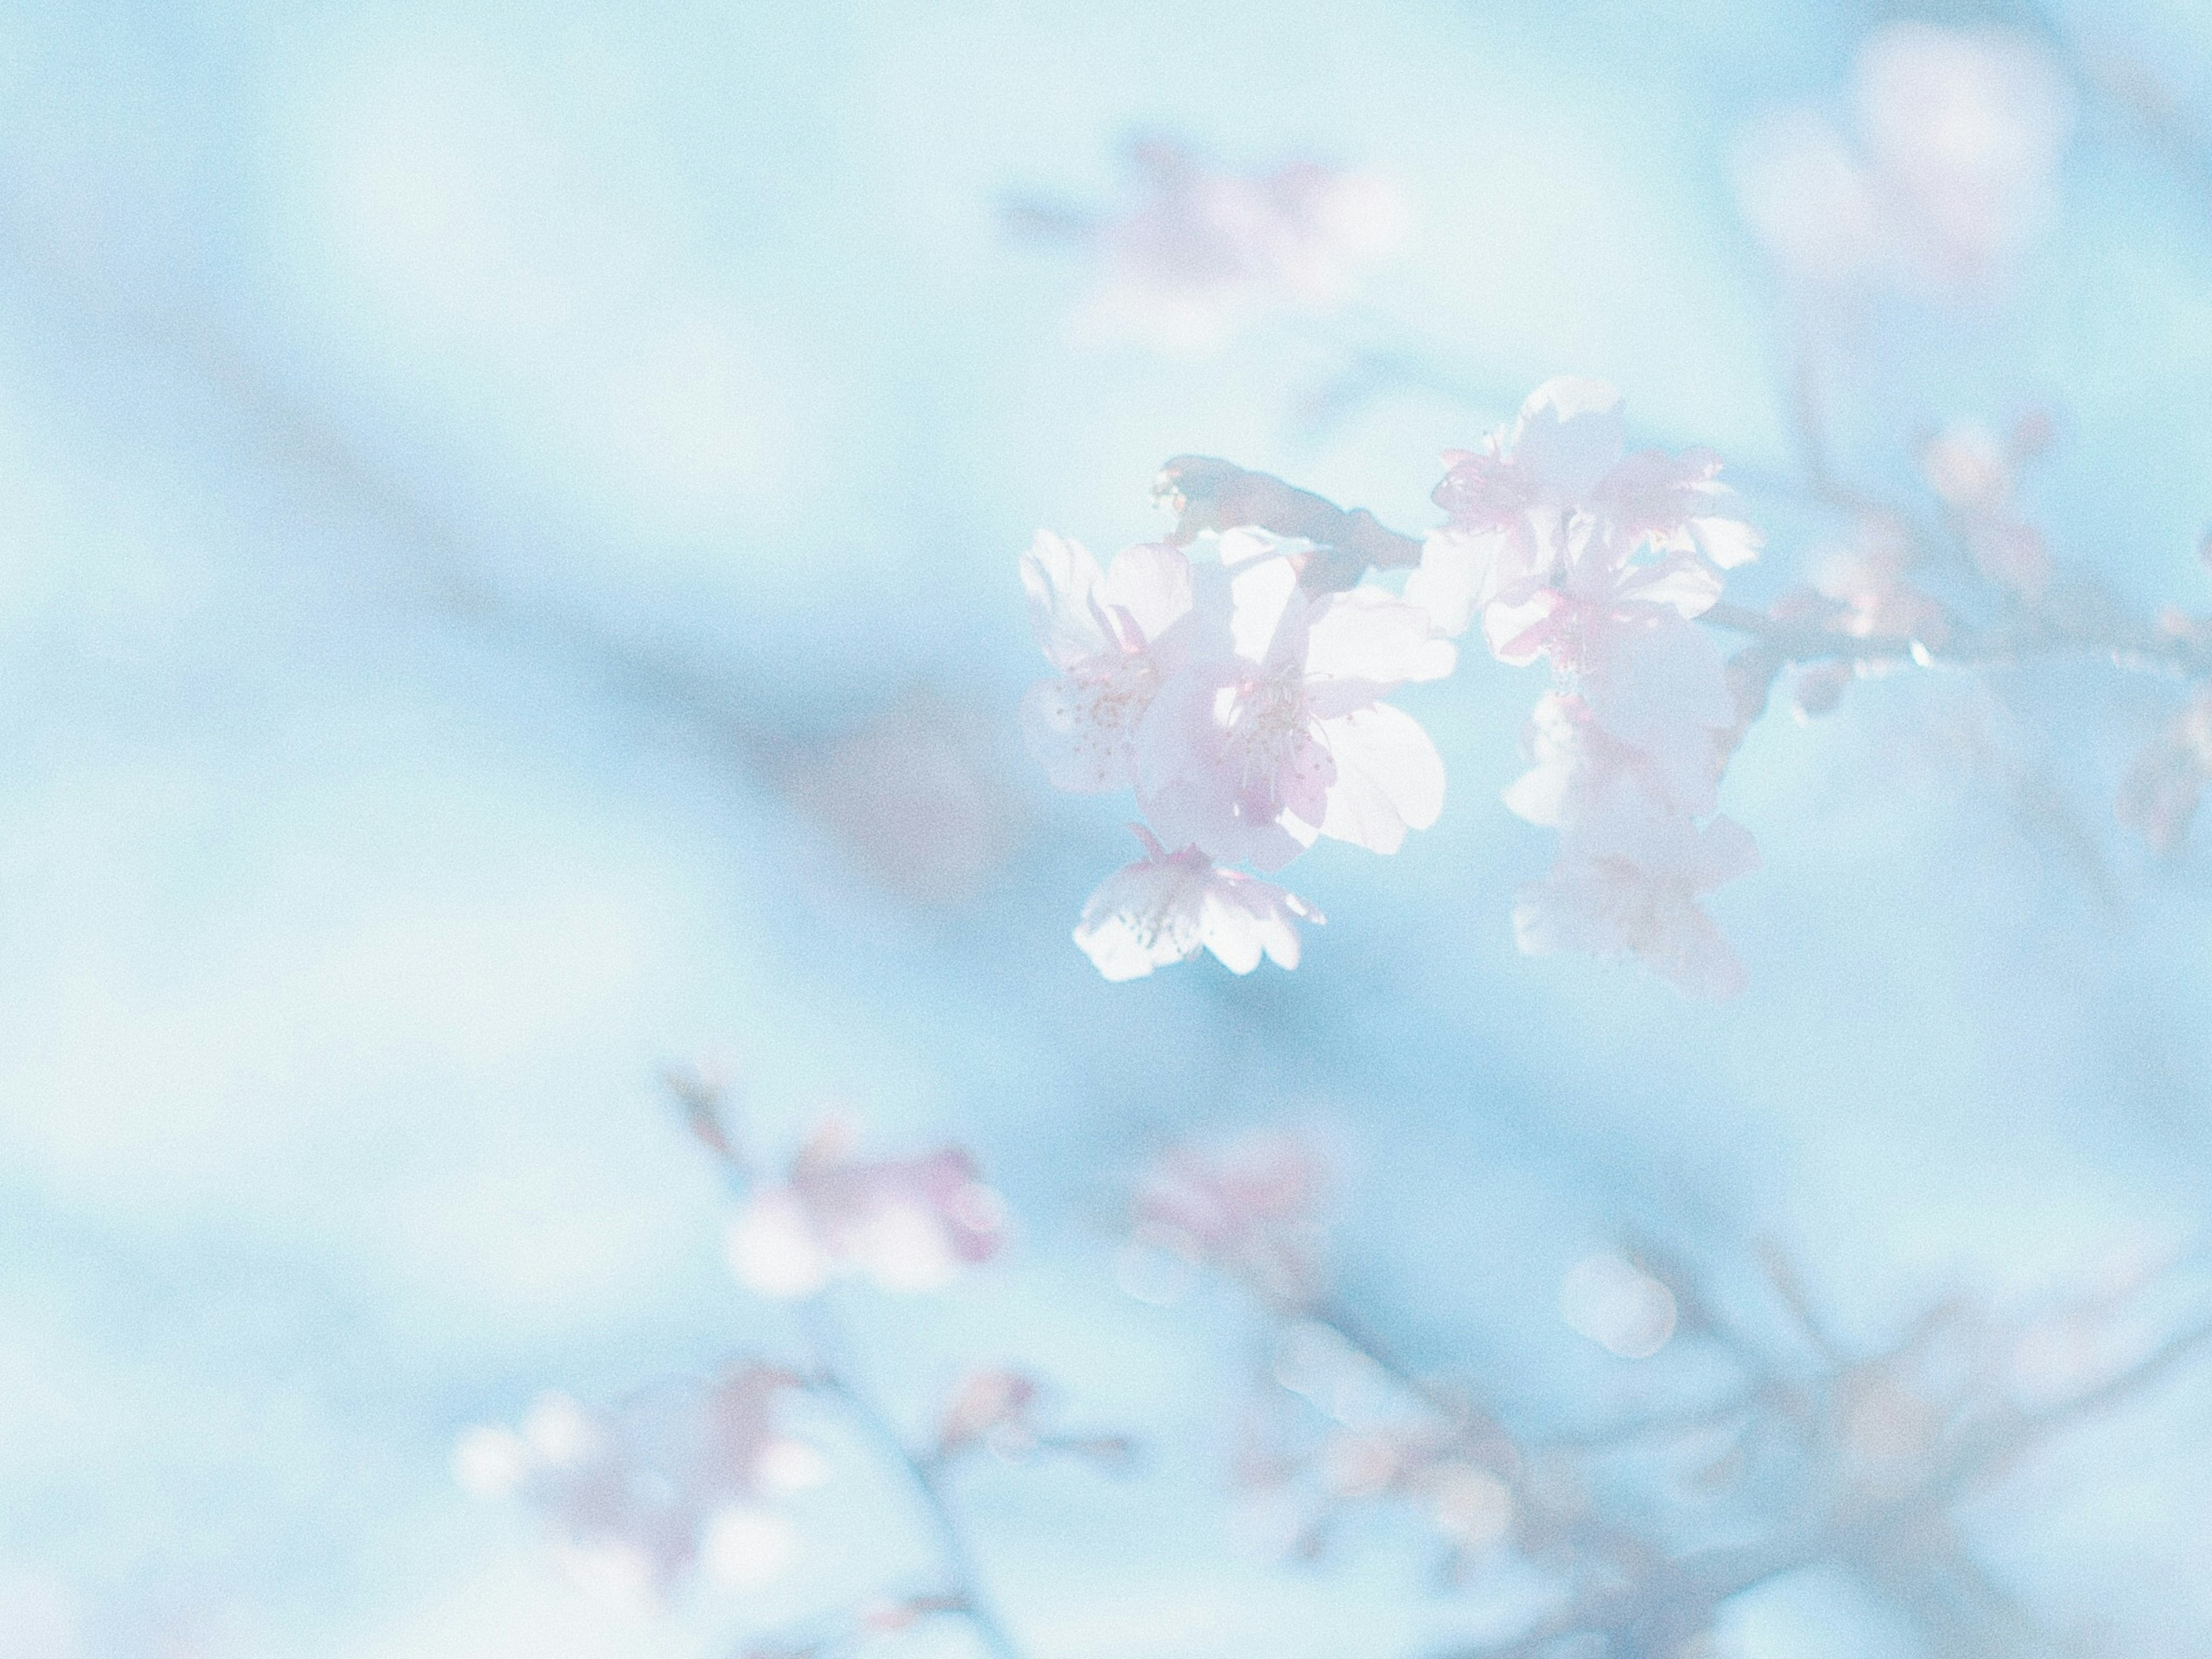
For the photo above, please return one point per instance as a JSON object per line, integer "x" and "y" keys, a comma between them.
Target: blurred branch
{"x": 963, "y": 1593}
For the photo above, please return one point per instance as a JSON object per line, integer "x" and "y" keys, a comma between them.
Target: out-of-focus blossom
{"x": 2160, "y": 796}
{"x": 1870, "y": 588}
{"x": 910, "y": 1224}
{"x": 639, "y": 1495}
{"x": 1248, "y": 1207}
{"x": 1628, "y": 884}
{"x": 1619, "y": 1305}
{"x": 1205, "y": 252}
{"x": 1276, "y": 733}
{"x": 987, "y": 1404}
{"x": 1865, "y": 591}
{"x": 1581, "y": 768}
{"x": 1101, "y": 630}
{"x": 1975, "y": 474}
{"x": 1167, "y": 907}
{"x": 1959, "y": 131}
{"x": 1002, "y": 1410}
{"x": 916, "y": 795}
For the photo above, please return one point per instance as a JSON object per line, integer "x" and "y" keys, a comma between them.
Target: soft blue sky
{"x": 458, "y": 461}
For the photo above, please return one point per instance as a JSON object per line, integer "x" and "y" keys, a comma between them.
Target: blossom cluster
{"x": 1241, "y": 697}
{"x": 639, "y": 1494}
{"x": 1239, "y": 694}
{"x": 908, "y": 1225}
{"x": 1569, "y": 548}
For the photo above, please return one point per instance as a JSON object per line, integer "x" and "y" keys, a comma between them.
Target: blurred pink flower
{"x": 1628, "y": 884}
{"x": 2168, "y": 779}
{"x": 1249, "y": 1207}
{"x": 1208, "y": 251}
{"x": 1976, "y": 475}
{"x": 910, "y": 1225}
{"x": 639, "y": 1494}
{"x": 1869, "y": 583}
{"x": 1580, "y": 768}
{"x": 1959, "y": 133}
{"x": 1167, "y": 907}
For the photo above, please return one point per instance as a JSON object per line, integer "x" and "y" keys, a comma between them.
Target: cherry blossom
{"x": 1004, "y": 1410}
{"x": 1599, "y": 561}
{"x": 1249, "y": 1207}
{"x": 1628, "y": 884}
{"x": 2168, "y": 779}
{"x": 1101, "y": 631}
{"x": 1581, "y": 768}
{"x": 1167, "y": 907}
{"x": 1976, "y": 475}
{"x": 1244, "y": 696}
{"x": 908, "y": 1225}
{"x": 1959, "y": 133}
{"x": 641, "y": 1494}
{"x": 1558, "y": 490}
{"x": 1276, "y": 733}
{"x": 1207, "y": 251}
{"x": 1865, "y": 591}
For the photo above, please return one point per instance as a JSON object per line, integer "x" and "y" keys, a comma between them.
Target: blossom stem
{"x": 2127, "y": 646}
{"x": 963, "y": 1589}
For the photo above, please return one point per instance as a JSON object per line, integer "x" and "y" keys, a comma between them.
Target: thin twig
{"x": 963, "y": 1589}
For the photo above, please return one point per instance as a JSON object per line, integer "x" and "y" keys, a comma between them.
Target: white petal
{"x": 1059, "y": 576}
{"x": 1727, "y": 542}
{"x": 1389, "y": 778}
{"x": 1143, "y": 915}
{"x": 1262, "y": 592}
{"x": 1452, "y": 573}
{"x": 772, "y": 1249}
{"x": 1364, "y": 634}
{"x": 1232, "y": 931}
{"x": 1570, "y": 433}
{"x": 1152, "y": 583}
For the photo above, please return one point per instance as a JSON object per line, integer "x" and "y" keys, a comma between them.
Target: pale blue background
{"x": 454, "y": 458}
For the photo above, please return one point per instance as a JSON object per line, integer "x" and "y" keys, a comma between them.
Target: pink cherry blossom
{"x": 1868, "y": 584}
{"x": 910, "y": 1224}
{"x": 1967, "y": 127}
{"x": 1976, "y": 474}
{"x": 1627, "y": 883}
{"x": 1959, "y": 134}
{"x": 1276, "y": 733}
{"x": 1167, "y": 907}
{"x": 1250, "y": 1206}
{"x": 2160, "y": 796}
{"x": 1509, "y": 501}
{"x": 1555, "y": 500}
{"x": 1102, "y": 631}
{"x": 1581, "y": 768}
{"x": 1208, "y": 250}
{"x": 639, "y": 1494}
